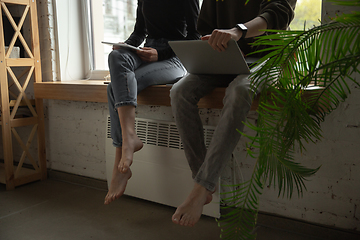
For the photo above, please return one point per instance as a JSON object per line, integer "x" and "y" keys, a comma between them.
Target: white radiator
{"x": 160, "y": 170}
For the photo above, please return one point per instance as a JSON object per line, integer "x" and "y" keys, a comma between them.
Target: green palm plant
{"x": 304, "y": 78}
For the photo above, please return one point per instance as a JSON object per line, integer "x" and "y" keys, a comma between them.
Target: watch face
{"x": 242, "y": 27}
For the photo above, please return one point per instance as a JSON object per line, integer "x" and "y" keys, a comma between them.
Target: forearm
{"x": 219, "y": 38}
{"x": 255, "y": 27}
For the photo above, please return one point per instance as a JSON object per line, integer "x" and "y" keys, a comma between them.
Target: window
{"x": 71, "y": 48}
{"x": 307, "y": 14}
{"x": 113, "y": 21}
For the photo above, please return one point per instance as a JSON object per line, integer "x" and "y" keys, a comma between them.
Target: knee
{"x": 109, "y": 89}
{"x": 110, "y": 93}
{"x": 177, "y": 93}
{"x": 115, "y": 57}
{"x": 239, "y": 95}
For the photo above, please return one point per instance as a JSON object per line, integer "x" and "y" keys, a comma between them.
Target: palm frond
{"x": 240, "y": 220}
{"x": 304, "y": 78}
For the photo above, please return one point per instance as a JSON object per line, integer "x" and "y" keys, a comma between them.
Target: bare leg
{"x": 189, "y": 212}
{"x": 131, "y": 142}
{"x": 118, "y": 180}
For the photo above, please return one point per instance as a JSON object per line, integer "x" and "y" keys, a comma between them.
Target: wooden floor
{"x": 70, "y": 207}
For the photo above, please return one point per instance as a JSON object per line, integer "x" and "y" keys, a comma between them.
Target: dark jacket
{"x": 167, "y": 20}
{"x": 225, "y": 14}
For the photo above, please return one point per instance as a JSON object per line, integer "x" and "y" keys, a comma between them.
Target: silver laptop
{"x": 198, "y": 57}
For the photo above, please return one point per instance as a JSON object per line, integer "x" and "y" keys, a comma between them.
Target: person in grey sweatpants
{"x": 220, "y": 21}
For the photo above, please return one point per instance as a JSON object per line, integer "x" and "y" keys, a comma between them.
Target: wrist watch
{"x": 243, "y": 29}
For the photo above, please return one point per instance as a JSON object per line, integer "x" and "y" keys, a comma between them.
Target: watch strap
{"x": 243, "y": 29}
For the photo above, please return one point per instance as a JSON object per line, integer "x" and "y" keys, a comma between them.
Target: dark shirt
{"x": 227, "y": 13}
{"x": 165, "y": 19}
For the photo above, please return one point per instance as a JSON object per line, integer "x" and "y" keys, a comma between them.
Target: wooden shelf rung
{"x": 20, "y": 62}
{"x": 22, "y": 103}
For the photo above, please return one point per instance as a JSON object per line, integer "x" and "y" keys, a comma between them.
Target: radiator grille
{"x": 108, "y": 128}
{"x": 158, "y": 133}
{"x": 162, "y": 133}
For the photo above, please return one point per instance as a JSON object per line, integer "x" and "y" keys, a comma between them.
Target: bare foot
{"x": 189, "y": 212}
{"x": 117, "y": 185}
{"x": 130, "y": 145}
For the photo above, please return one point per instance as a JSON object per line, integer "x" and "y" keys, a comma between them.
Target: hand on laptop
{"x": 219, "y": 38}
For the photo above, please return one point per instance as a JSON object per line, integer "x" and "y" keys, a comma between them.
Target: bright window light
{"x": 113, "y": 21}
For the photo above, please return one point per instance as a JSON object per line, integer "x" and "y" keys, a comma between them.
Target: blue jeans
{"x": 130, "y": 75}
{"x": 207, "y": 165}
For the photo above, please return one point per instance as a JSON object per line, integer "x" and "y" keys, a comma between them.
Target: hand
{"x": 148, "y": 54}
{"x": 116, "y": 47}
{"x": 219, "y": 38}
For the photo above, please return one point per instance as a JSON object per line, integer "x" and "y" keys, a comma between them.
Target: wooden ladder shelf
{"x": 16, "y": 75}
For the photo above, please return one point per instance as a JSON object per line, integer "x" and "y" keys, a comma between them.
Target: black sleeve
{"x": 191, "y": 9}
{"x": 139, "y": 34}
{"x": 192, "y": 14}
{"x": 207, "y": 19}
{"x": 278, "y": 13}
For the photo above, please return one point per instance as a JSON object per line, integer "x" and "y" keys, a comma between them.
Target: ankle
{"x": 200, "y": 189}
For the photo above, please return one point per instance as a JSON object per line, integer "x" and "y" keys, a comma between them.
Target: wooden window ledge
{"x": 95, "y": 91}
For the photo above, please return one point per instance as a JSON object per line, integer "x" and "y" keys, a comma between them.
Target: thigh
{"x": 197, "y": 86}
{"x": 161, "y": 72}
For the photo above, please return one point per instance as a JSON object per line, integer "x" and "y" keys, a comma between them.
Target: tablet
{"x": 121, "y": 45}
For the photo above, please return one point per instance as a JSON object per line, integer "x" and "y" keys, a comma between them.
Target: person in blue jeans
{"x": 220, "y": 21}
{"x": 131, "y": 71}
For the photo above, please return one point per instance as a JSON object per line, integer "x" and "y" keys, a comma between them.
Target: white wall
{"x": 76, "y": 138}
{"x": 333, "y": 194}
